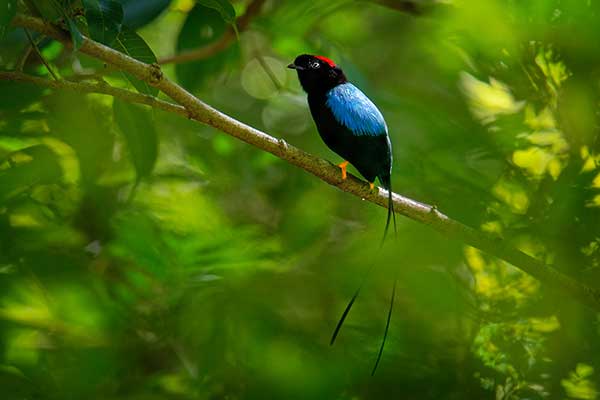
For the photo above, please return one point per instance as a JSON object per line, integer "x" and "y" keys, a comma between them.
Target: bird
{"x": 352, "y": 126}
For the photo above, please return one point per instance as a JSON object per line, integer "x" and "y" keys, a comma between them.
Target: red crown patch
{"x": 326, "y": 60}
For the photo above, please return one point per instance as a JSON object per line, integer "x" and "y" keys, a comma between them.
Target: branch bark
{"x": 100, "y": 88}
{"x": 220, "y": 44}
{"x": 324, "y": 170}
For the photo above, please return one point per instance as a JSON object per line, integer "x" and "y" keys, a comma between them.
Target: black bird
{"x": 353, "y": 127}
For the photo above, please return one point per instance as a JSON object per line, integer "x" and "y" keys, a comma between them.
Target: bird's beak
{"x": 294, "y": 66}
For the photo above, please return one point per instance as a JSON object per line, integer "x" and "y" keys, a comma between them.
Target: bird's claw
{"x": 343, "y": 166}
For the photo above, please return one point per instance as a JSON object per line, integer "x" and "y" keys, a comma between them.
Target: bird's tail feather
{"x": 387, "y": 327}
{"x": 386, "y": 183}
{"x": 349, "y": 306}
{"x": 391, "y": 215}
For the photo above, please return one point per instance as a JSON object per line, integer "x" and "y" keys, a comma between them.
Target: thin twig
{"x": 325, "y": 170}
{"x": 100, "y": 88}
{"x": 39, "y": 53}
{"x": 220, "y": 44}
{"x": 23, "y": 58}
{"x": 269, "y": 71}
{"x": 27, "y": 52}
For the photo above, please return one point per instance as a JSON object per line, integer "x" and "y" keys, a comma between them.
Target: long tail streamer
{"x": 391, "y": 215}
{"x": 387, "y": 328}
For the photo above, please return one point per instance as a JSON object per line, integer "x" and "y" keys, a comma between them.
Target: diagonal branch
{"x": 220, "y": 44}
{"x": 40, "y": 55}
{"x": 324, "y": 170}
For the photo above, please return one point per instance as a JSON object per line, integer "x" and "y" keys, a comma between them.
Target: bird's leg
{"x": 343, "y": 166}
{"x": 372, "y": 186}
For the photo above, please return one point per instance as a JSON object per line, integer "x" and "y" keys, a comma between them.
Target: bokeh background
{"x": 151, "y": 257}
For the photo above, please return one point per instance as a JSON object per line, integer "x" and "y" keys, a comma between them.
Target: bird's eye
{"x": 315, "y": 65}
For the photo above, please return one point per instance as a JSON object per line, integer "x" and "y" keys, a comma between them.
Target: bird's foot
{"x": 372, "y": 186}
{"x": 343, "y": 166}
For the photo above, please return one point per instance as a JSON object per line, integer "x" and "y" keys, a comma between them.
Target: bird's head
{"x": 317, "y": 74}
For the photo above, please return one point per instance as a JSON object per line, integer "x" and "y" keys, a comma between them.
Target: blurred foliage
{"x": 144, "y": 256}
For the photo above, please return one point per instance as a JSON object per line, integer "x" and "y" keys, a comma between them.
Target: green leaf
{"x": 28, "y": 167}
{"x": 132, "y": 44}
{"x": 7, "y": 12}
{"x": 104, "y": 19}
{"x": 223, "y": 7}
{"x": 76, "y": 35}
{"x": 16, "y": 95}
{"x": 202, "y": 27}
{"x": 77, "y": 121}
{"x": 136, "y": 124}
{"x": 52, "y": 10}
{"x": 139, "y": 13}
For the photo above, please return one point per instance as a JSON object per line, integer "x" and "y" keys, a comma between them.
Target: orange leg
{"x": 343, "y": 166}
{"x": 372, "y": 185}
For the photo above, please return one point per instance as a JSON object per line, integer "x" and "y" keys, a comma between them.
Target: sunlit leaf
{"x": 578, "y": 386}
{"x": 584, "y": 370}
{"x": 512, "y": 194}
{"x": 489, "y": 100}
{"x": 544, "y": 120}
{"x": 27, "y": 168}
{"x": 545, "y": 325}
{"x": 555, "y": 70}
{"x": 22, "y": 347}
{"x": 537, "y": 161}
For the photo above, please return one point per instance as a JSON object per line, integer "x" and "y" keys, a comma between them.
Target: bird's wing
{"x": 353, "y": 109}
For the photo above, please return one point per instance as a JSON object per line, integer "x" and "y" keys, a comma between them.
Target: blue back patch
{"x": 353, "y": 109}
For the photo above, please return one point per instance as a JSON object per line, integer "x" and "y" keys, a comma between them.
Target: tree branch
{"x": 101, "y": 88}
{"x": 220, "y": 44}
{"x": 40, "y": 55}
{"x": 325, "y": 170}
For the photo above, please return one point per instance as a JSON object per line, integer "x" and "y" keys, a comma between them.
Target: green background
{"x": 145, "y": 256}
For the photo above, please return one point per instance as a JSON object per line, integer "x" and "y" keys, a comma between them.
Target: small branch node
{"x": 156, "y": 73}
{"x": 190, "y": 114}
{"x": 282, "y": 143}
